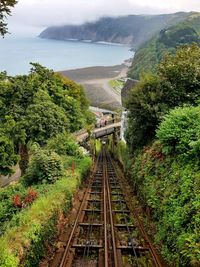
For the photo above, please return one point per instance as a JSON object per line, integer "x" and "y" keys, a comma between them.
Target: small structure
{"x": 103, "y": 116}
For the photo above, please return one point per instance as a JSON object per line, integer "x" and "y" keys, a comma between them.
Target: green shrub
{"x": 7, "y": 209}
{"x": 64, "y": 144}
{"x": 7, "y": 260}
{"x": 180, "y": 131}
{"x": 44, "y": 167}
{"x": 176, "y": 83}
{"x": 24, "y": 239}
{"x": 8, "y": 156}
{"x": 145, "y": 106}
{"x": 15, "y": 198}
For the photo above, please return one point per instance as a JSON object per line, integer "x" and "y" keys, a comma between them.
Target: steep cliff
{"x": 131, "y": 30}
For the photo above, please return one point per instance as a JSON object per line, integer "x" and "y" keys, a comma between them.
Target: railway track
{"x": 106, "y": 231}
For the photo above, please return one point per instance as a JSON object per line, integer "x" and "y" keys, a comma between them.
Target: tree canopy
{"x": 8, "y": 156}
{"x": 177, "y": 82}
{"x": 41, "y": 105}
{"x": 5, "y": 10}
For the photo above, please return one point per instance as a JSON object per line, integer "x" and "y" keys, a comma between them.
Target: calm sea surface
{"x": 17, "y": 53}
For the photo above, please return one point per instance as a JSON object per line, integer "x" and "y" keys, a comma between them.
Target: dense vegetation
{"x": 176, "y": 83}
{"x": 132, "y": 30}
{"x": 29, "y": 227}
{"x": 166, "y": 41}
{"x": 163, "y": 164}
{"x": 29, "y": 215}
{"x": 166, "y": 176}
{"x": 39, "y": 112}
{"x": 34, "y": 108}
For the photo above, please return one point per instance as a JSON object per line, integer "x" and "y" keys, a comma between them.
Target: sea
{"x": 16, "y": 53}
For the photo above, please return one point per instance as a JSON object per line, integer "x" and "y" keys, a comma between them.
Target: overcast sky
{"x": 37, "y": 14}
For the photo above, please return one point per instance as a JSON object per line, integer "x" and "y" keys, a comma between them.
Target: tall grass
{"x": 23, "y": 243}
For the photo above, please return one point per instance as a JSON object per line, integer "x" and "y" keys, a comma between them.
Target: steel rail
{"x": 88, "y": 245}
{"x": 66, "y": 252}
{"x": 104, "y": 175}
{"x": 105, "y": 216}
{"x": 89, "y": 231}
{"x": 125, "y": 218}
{"x": 111, "y": 218}
{"x": 154, "y": 255}
{"x": 86, "y": 251}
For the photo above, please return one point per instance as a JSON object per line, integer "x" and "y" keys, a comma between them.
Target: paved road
{"x": 6, "y": 180}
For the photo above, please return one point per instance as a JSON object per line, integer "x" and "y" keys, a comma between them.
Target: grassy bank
{"x": 23, "y": 242}
{"x": 169, "y": 187}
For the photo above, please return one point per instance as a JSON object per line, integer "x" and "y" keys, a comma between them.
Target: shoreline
{"x": 95, "y": 81}
{"x": 129, "y": 45}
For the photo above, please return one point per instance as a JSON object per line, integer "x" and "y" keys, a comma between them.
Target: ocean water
{"x": 16, "y": 54}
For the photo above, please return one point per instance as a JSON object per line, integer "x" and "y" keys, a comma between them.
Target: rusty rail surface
{"x": 132, "y": 245}
{"x": 107, "y": 231}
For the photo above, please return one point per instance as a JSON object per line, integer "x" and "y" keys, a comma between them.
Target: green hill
{"x": 166, "y": 41}
{"x": 132, "y": 30}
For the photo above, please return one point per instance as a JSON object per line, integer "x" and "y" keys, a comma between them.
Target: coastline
{"x": 95, "y": 81}
{"x": 87, "y": 41}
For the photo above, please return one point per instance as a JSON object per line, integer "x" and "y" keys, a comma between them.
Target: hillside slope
{"x": 131, "y": 30}
{"x": 166, "y": 41}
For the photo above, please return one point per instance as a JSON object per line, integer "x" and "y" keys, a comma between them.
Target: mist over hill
{"x": 165, "y": 41}
{"x": 132, "y": 30}
{"x": 151, "y": 36}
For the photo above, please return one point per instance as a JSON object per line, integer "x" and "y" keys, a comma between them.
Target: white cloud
{"x": 170, "y": 5}
{"x": 55, "y": 12}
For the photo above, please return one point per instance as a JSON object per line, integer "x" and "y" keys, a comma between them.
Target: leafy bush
{"x": 146, "y": 106}
{"x": 23, "y": 242}
{"x": 97, "y": 145}
{"x": 121, "y": 153}
{"x": 18, "y": 202}
{"x": 180, "y": 131}
{"x": 7, "y": 209}
{"x": 45, "y": 167}
{"x": 64, "y": 144}
{"x": 46, "y": 119}
{"x": 7, "y": 155}
{"x": 41, "y": 105}
{"x": 14, "y": 198}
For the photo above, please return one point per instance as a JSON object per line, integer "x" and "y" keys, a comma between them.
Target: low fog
{"x": 38, "y": 14}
